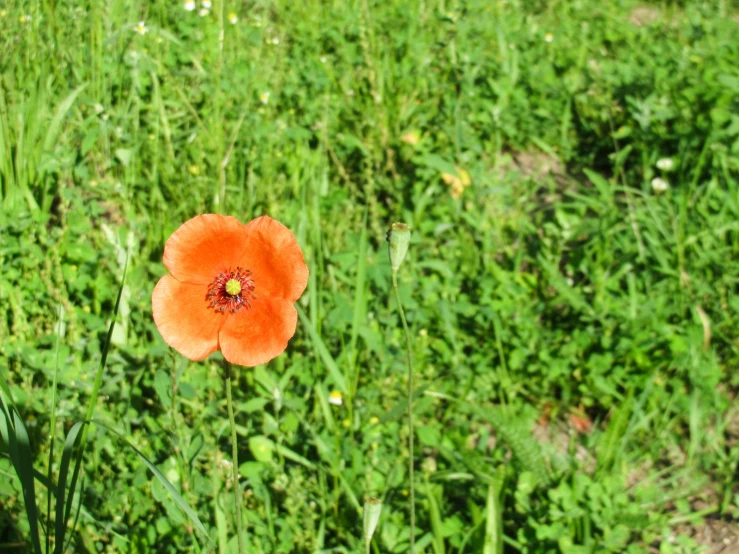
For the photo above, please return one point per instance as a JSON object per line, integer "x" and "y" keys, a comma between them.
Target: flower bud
{"x": 372, "y": 510}
{"x": 399, "y": 237}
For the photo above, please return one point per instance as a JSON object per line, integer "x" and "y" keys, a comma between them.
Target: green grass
{"x": 555, "y": 292}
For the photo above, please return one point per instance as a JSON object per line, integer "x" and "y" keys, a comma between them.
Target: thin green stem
{"x": 221, "y": 194}
{"x": 235, "y": 455}
{"x": 52, "y": 427}
{"x": 410, "y": 411}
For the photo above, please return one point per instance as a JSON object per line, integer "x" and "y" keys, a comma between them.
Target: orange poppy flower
{"x": 231, "y": 287}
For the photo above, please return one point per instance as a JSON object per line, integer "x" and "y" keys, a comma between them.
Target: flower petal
{"x": 184, "y": 319}
{"x": 275, "y": 259}
{"x": 203, "y": 247}
{"x": 256, "y": 335}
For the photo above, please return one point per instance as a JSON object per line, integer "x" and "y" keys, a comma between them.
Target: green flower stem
{"x": 235, "y": 455}
{"x": 410, "y": 411}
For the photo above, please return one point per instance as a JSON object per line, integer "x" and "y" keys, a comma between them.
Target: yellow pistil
{"x": 233, "y": 287}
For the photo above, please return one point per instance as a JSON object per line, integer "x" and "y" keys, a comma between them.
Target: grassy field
{"x": 570, "y": 172}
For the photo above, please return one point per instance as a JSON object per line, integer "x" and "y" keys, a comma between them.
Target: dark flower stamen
{"x": 231, "y": 290}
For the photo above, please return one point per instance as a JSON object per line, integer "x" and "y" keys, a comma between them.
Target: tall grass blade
{"x": 323, "y": 353}
{"x": 20, "y": 454}
{"x": 62, "y": 516}
{"x": 52, "y": 132}
{"x": 435, "y": 516}
{"x": 94, "y": 395}
{"x": 181, "y": 502}
{"x": 14, "y": 434}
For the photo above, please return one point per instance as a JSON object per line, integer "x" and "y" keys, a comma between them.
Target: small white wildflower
{"x": 190, "y": 6}
{"x": 207, "y": 4}
{"x": 276, "y": 41}
{"x": 141, "y": 28}
{"x": 335, "y": 398}
{"x": 323, "y": 59}
{"x": 264, "y": 97}
{"x": 233, "y": 19}
{"x": 665, "y": 164}
{"x": 350, "y": 92}
{"x": 659, "y": 185}
{"x": 203, "y": 12}
{"x": 549, "y": 37}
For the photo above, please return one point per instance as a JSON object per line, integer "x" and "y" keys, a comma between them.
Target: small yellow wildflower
{"x": 233, "y": 19}
{"x": 194, "y": 169}
{"x": 458, "y": 181}
{"x": 335, "y": 398}
{"x": 374, "y": 420}
{"x": 549, "y": 37}
{"x": 411, "y": 137}
{"x": 264, "y": 97}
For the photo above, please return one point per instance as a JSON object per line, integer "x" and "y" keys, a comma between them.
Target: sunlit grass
{"x": 571, "y": 295}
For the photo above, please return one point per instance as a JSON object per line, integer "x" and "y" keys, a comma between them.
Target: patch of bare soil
{"x": 644, "y": 15}
{"x": 536, "y": 165}
{"x": 718, "y": 536}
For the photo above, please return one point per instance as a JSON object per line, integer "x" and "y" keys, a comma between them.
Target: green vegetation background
{"x": 575, "y": 331}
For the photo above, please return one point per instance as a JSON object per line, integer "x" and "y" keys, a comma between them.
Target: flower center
{"x": 233, "y": 287}
{"x": 231, "y": 290}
